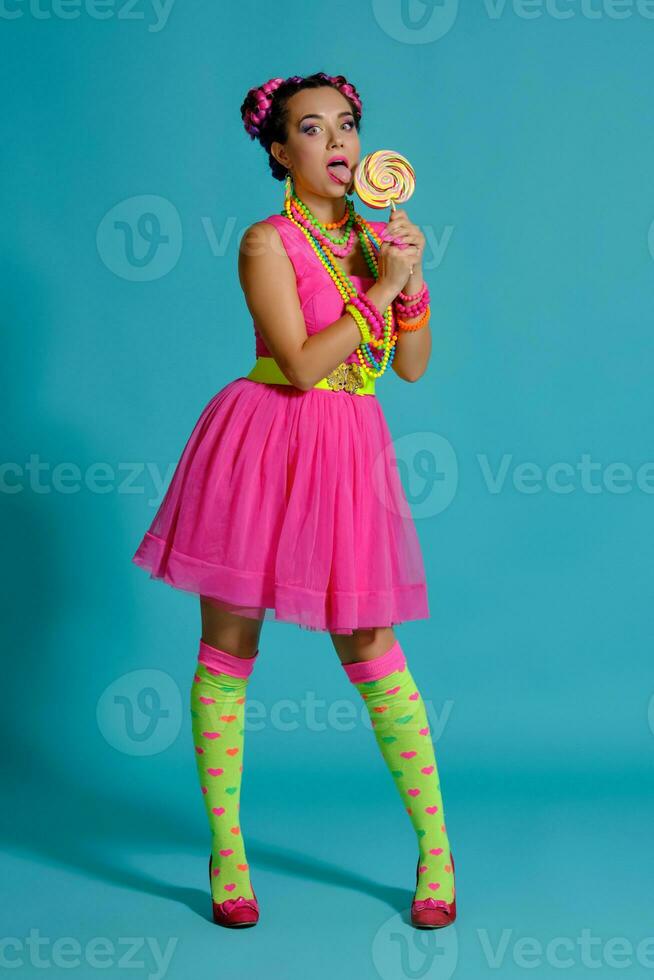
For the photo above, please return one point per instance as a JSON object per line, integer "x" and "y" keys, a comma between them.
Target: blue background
{"x": 531, "y": 136}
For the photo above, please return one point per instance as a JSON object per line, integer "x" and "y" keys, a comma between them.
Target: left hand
{"x": 401, "y": 231}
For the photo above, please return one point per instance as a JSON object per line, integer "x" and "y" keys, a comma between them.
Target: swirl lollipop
{"x": 384, "y": 177}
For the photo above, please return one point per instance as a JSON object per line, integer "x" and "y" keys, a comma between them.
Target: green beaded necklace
{"x": 367, "y": 235}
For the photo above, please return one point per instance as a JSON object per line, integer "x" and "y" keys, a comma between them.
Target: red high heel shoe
{"x": 433, "y": 913}
{"x": 234, "y": 912}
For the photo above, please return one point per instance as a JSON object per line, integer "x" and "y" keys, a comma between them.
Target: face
{"x": 320, "y": 127}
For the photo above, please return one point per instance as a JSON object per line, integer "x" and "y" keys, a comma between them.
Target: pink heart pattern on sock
{"x": 217, "y": 704}
{"x": 409, "y": 753}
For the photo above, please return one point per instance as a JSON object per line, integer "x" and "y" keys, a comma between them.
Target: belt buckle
{"x": 345, "y": 377}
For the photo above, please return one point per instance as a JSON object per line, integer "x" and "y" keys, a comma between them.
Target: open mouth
{"x": 338, "y": 170}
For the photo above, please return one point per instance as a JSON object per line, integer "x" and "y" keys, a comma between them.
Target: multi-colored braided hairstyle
{"x": 265, "y": 115}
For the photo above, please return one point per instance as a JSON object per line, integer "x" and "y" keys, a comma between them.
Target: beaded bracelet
{"x": 361, "y": 322}
{"x": 366, "y": 336}
{"x": 413, "y": 297}
{"x": 368, "y": 309}
{"x": 412, "y": 312}
{"x": 413, "y": 309}
{"x": 422, "y": 322}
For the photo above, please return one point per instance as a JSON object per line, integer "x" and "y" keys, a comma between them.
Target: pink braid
{"x": 345, "y": 88}
{"x": 254, "y": 119}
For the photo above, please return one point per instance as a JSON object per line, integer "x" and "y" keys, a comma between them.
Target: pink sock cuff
{"x": 372, "y": 670}
{"x": 225, "y": 663}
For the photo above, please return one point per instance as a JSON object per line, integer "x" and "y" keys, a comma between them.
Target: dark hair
{"x": 265, "y": 114}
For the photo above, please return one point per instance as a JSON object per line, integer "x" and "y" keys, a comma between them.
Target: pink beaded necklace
{"x": 376, "y": 354}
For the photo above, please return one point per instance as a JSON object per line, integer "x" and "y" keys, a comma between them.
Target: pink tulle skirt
{"x": 288, "y": 504}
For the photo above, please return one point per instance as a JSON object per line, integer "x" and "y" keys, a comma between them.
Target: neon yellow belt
{"x": 346, "y": 377}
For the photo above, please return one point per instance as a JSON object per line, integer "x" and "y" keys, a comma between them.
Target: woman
{"x": 286, "y": 498}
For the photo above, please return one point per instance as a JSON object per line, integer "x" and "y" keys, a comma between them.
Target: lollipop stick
{"x": 392, "y": 240}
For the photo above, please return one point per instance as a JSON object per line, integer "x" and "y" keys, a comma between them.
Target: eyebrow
{"x": 321, "y": 115}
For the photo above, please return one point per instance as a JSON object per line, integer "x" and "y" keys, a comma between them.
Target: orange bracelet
{"x": 422, "y": 322}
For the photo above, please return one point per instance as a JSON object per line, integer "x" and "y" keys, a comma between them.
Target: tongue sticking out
{"x": 340, "y": 171}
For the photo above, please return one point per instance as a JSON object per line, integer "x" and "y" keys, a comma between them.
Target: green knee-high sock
{"x": 217, "y": 719}
{"x": 399, "y": 721}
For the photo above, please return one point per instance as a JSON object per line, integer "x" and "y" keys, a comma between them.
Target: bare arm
{"x": 413, "y": 347}
{"x": 268, "y": 281}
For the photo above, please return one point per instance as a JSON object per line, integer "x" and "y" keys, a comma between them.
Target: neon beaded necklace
{"x": 372, "y": 362}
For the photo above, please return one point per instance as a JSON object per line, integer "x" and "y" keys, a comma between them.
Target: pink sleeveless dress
{"x": 287, "y": 504}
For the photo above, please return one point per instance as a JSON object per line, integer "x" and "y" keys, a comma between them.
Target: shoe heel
{"x": 432, "y": 913}
{"x": 235, "y": 913}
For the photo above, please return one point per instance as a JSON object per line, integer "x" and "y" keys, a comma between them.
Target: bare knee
{"x": 238, "y": 635}
{"x": 363, "y": 644}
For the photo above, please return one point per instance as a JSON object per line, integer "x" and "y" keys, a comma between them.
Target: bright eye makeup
{"x": 307, "y": 128}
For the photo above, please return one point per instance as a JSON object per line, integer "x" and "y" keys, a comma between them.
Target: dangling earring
{"x": 288, "y": 187}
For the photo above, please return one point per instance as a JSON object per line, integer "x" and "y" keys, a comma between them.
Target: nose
{"x": 337, "y": 139}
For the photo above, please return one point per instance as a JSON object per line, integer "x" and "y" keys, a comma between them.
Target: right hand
{"x": 395, "y": 264}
